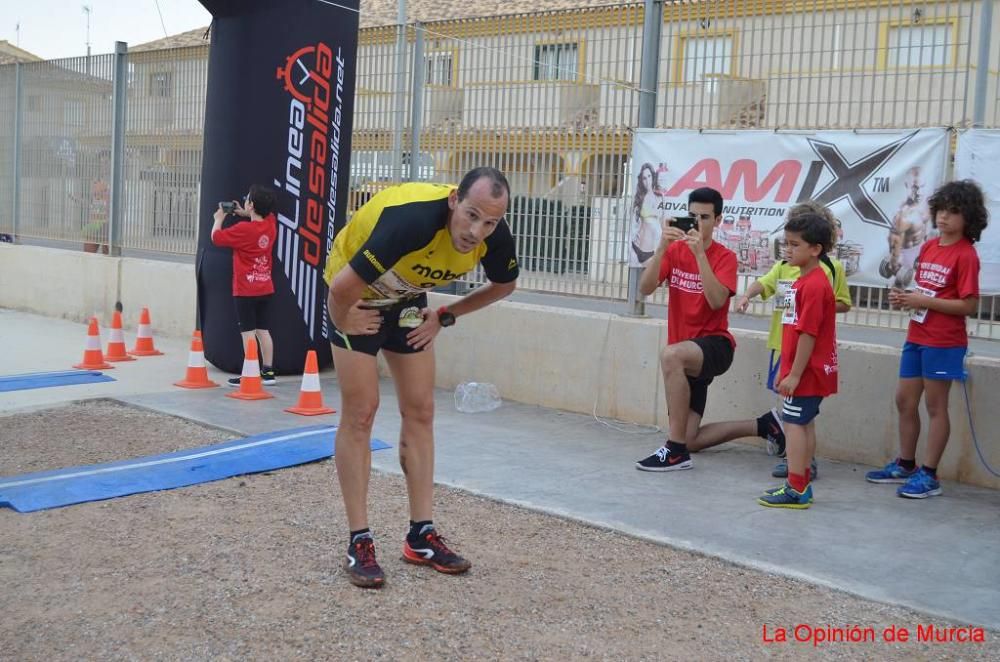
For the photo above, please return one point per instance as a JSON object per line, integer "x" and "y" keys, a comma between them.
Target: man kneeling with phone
{"x": 701, "y": 277}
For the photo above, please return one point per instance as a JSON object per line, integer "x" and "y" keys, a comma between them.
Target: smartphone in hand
{"x": 684, "y": 223}
{"x": 227, "y": 207}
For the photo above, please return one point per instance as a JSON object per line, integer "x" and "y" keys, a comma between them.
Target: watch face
{"x": 446, "y": 319}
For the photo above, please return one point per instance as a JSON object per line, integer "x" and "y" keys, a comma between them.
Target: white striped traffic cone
{"x": 250, "y": 382}
{"x": 93, "y": 357}
{"x": 144, "y": 337}
{"x": 310, "y": 395}
{"x": 116, "y": 341}
{"x": 197, "y": 372}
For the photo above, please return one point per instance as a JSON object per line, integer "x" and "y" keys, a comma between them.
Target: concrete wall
{"x": 76, "y": 286}
{"x": 552, "y": 357}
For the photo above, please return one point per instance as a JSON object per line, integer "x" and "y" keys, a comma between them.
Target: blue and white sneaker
{"x": 890, "y": 473}
{"x": 786, "y": 497}
{"x": 920, "y": 486}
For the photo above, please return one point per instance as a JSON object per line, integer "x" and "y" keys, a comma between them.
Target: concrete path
{"x": 940, "y": 555}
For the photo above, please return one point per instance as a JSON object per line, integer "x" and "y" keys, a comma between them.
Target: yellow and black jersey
{"x": 399, "y": 244}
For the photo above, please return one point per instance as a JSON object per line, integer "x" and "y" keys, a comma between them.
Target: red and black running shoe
{"x": 431, "y": 550}
{"x": 362, "y": 568}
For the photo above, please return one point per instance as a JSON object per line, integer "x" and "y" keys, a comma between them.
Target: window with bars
{"x": 161, "y": 84}
{"x": 74, "y": 114}
{"x": 175, "y": 212}
{"x": 556, "y": 62}
{"x": 438, "y": 69}
{"x": 919, "y": 45}
{"x": 704, "y": 56}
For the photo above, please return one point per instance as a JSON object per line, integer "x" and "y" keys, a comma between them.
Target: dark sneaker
{"x": 920, "y": 486}
{"x": 432, "y": 551}
{"x": 267, "y": 377}
{"x": 362, "y": 568}
{"x": 786, "y": 497}
{"x": 233, "y": 381}
{"x": 775, "y": 433}
{"x": 664, "y": 460}
{"x": 890, "y": 473}
{"x": 781, "y": 469}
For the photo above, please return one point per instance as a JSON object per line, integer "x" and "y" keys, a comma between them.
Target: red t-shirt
{"x": 944, "y": 272}
{"x": 688, "y": 313}
{"x": 812, "y": 310}
{"x": 252, "y": 243}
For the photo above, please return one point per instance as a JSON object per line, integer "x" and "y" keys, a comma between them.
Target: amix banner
{"x": 280, "y": 102}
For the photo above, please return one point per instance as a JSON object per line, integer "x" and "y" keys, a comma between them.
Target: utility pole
{"x": 86, "y": 10}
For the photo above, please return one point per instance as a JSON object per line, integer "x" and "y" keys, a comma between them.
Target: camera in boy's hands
{"x": 227, "y": 207}
{"x": 684, "y": 223}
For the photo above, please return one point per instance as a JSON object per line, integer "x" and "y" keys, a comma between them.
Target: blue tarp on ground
{"x": 32, "y": 380}
{"x": 264, "y": 452}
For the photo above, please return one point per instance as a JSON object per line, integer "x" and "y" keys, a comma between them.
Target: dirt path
{"x": 248, "y": 568}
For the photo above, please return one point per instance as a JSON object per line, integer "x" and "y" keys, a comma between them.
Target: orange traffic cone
{"x": 197, "y": 373}
{"x": 310, "y": 396}
{"x": 250, "y": 384}
{"x": 116, "y": 343}
{"x": 144, "y": 337}
{"x": 93, "y": 357}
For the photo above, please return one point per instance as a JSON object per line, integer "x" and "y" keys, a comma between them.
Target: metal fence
{"x": 550, "y": 97}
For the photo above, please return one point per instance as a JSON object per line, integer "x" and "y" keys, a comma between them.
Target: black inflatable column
{"x": 280, "y": 102}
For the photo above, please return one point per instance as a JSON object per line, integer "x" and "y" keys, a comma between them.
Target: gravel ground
{"x": 248, "y": 568}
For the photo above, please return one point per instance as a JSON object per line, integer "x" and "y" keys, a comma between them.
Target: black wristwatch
{"x": 445, "y": 318}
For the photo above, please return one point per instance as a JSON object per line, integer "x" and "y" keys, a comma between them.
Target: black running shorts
{"x": 717, "y": 356}
{"x": 391, "y": 335}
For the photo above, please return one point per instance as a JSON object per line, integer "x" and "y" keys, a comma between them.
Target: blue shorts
{"x": 800, "y": 410}
{"x": 932, "y": 362}
{"x": 773, "y": 368}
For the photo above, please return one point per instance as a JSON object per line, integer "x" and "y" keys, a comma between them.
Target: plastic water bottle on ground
{"x": 474, "y": 397}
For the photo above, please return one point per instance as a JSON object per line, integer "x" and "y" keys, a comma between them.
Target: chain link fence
{"x": 549, "y": 97}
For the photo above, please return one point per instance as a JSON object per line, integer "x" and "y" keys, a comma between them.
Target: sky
{"x": 58, "y": 28}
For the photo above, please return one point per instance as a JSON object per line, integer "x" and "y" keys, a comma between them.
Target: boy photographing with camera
{"x": 252, "y": 242}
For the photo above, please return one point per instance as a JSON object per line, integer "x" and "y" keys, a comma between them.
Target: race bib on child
{"x": 789, "y": 316}
{"x": 781, "y": 294}
{"x": 918, "y": 315}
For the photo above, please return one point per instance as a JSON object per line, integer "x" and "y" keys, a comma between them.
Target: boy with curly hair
{"x": 945, "y": 292}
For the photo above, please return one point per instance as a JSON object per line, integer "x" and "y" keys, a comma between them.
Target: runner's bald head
{"x": 499, "y": 185}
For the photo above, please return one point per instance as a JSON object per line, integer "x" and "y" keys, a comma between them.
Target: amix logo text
{"x": 436, "y": 274}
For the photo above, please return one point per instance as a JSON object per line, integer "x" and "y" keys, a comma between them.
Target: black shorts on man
{"x": 717, "y": 356}
{"x": 398, "y": 320}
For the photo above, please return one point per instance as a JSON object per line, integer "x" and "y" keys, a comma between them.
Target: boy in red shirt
{"x": 701, "y": 275}
{"x": 808, "y": 355}
{"x": 252, "y": 242}
{"x": 945, "y": 292}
